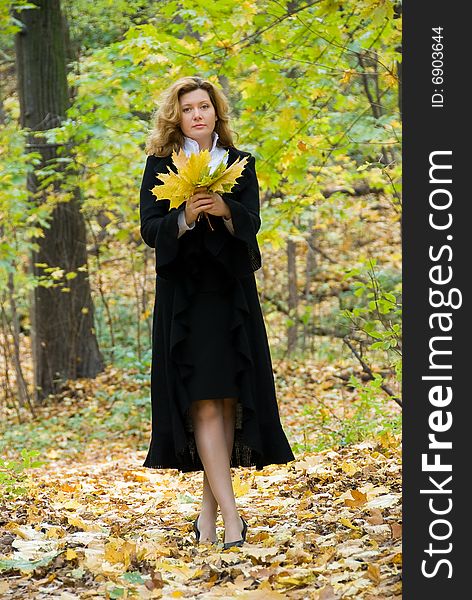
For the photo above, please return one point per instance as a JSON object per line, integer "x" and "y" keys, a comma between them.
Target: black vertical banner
{"x": 437, "y": 241}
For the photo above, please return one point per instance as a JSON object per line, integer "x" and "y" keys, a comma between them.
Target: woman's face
{"x": 198, "y": 116}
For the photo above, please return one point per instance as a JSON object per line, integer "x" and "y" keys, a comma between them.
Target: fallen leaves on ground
{"x": 325, "y": 527}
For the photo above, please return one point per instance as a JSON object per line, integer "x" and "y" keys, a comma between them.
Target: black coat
{"x": 259, "y": 437}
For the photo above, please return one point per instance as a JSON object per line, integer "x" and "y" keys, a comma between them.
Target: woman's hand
{"x": 205, "y": 201}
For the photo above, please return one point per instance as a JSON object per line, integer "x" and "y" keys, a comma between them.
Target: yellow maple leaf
{"x": 80, "y": 523}
{"x": 71, "y": 554}
{"x": 118, "y": 550}
{"x": 228, "y": 178}
{"x": 359, "y": 499}
{"x": 179, "y": 159}
{"x": 349, "y": 467}
{"x": 373, "y": 573}
{"x": 348, "y": 523}
{"x": 240, "y": 487}
{"x": 348, "y": 74}
{"x": 194, "y": 172}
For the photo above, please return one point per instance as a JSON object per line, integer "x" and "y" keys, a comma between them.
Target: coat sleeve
{"x": 229, "y": 224}
{"x": 159, "y": 225}
{"x": 183, "y": 227}
{"x": 245, "y": 211}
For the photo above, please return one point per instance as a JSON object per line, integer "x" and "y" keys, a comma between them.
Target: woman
{"x": 212, "y": 388}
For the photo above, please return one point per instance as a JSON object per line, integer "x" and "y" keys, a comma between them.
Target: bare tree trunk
{"x": 64, "y": 344}
{"x": 310, "y": 270}
{"x": 397, "y": 12}
{"x": 24, "y": 398}
{"x": 292, "y": 329}
{"x": 375, "y": 103}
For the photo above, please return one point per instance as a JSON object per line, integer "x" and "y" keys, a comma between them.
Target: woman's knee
{"x": 207, "y": 409}
{"x": 229, "y": 406}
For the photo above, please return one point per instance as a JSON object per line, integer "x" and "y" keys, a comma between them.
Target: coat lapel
{"x": 233, "y": 154}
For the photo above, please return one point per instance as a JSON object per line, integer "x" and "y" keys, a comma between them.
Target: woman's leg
{"x": 214, "y": 438}
{"x": 208, "y": 513}
{"x": 209, "y": 510}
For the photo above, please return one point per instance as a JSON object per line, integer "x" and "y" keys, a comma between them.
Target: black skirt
{"x": 208, "y": 343}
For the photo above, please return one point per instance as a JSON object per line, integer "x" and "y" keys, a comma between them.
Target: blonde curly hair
{"x": 167, "y": 135}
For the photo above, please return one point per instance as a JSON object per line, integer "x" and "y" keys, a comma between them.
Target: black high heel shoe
{"x": 197, "y": 531}
{"x": 238, "y": 542}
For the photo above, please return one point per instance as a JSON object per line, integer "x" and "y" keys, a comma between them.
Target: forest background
{"x": 315, "y": 91}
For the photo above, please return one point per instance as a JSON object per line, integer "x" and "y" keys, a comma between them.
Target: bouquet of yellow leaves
{"x": 194, "y": 172}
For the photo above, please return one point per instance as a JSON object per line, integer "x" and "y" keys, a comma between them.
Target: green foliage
{"x": 20, "y": 220}
{"x": 9, "y": 24}
{"x": 105, "y": 417}
{"x": 295, "y": 86}
{"x": 285, "y": 73}
{"x": 14, "y": 476}
{"x": 378, "y": 317}
{"x": 367, "y": 419}
{"x": 379, "y": 313}
{"x": 101, "y": 22}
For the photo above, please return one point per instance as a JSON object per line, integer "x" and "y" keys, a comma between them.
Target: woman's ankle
{"x": 208, "y": 514}
{"x": 230, "y": 516}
